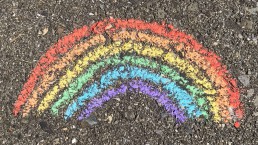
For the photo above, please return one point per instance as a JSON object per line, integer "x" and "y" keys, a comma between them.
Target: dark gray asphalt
{"x": 228, "y": 27}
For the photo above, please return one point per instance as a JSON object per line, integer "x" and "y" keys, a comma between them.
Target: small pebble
{"x": 255, "y": 113}
{"x": 56, "y": 141}
{"x": 92, "y": 120}
{"x": 193, "y": 7}
{"x": 60, "y": 30}
{"x": 244, "y": 79}
{"x": 65, "y": 129}
{"x": 215, "y": 43}
{"x": 45, "y": 127}
{"x": 256, "y": 101}
{"x": 130, "y": 107}
{"x": 45, "y": 30}
{"x": 159, "y": 132}
{"x": 252, "y": 10}
{"x": 250, "y": 93}
{"x": 130, "y": 115}
{"x": 74, "y": 141}
{"x": 110, "y": 118}
{"x": 161, "y": 13}
{"x": 240, "y": 36}
{"x": 247, "y": 24}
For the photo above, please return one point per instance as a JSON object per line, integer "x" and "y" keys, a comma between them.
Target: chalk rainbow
{"x": 149, "y": 58}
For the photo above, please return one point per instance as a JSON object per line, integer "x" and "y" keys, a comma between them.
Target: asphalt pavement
{"x": 27, "y": 29}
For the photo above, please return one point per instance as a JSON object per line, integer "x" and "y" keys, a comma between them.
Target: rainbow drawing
{"x": 97, "y": 63}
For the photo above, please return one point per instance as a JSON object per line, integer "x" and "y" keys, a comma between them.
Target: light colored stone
{"x": 110, "y": 118}
{"x": 256, "y": 101}
{"x": 193, "y": 7}
{"x": 45, "y": 30}
{"x": 74, "y": 141}
{"x": 92, "y": 120}
{"x": 244, "y": 79}
{"x": 56, "y": 141}
{"x": 247, "y": 24}
{"x": 252, "y": 10}
{"x": 240, "y": 36}
{"x": 215, "y": 43}
{"x": 255, "y": 113}
{"x": 250, "y": 93}
{"x": 65, "y": 129}
{"x": 161, "y": 13}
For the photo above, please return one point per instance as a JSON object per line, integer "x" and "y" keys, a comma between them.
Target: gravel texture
{"x": 28, "y": 28}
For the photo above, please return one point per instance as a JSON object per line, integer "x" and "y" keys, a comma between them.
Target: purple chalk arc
{"x": 135, "y": 86}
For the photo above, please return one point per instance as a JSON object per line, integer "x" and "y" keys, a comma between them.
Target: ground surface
{"x": 28, "y": 28}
